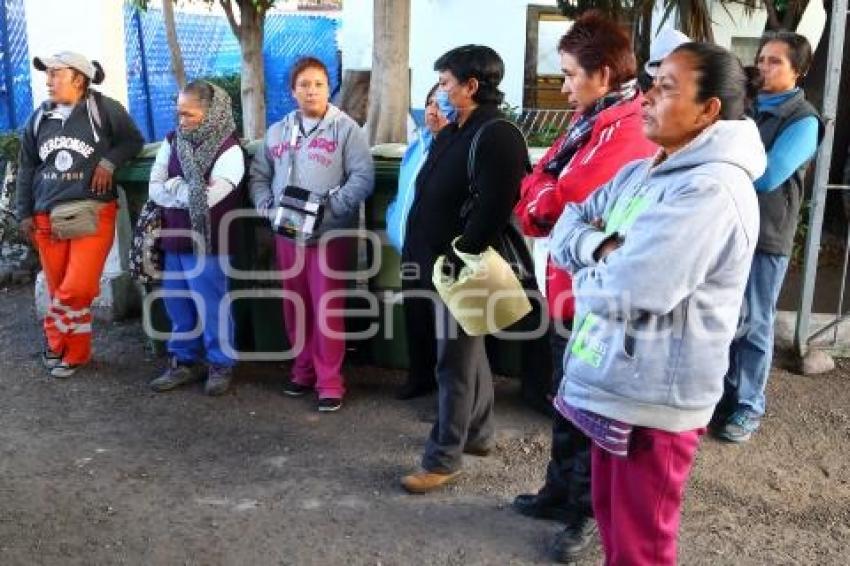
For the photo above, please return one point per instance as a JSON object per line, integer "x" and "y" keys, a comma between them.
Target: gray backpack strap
{"x": 92, "y": 107}
{"x": 94, "y": 111}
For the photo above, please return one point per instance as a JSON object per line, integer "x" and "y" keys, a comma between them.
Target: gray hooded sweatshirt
{"x": 655, "y": 318}
{"x": 333, "y": 161}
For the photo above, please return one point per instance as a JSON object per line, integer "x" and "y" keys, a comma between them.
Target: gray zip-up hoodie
{"x": 333, "y": 161}
{"x": 655, "y": 318}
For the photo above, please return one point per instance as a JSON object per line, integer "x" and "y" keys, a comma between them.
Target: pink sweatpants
{"x": 320, "y": 324}
{"x": 637, "y": 500}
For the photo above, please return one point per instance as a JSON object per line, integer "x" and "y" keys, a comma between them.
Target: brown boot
{"x": 425, "y": 481}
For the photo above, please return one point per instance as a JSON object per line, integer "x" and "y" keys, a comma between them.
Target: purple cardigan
{"x": 178, "y": 218}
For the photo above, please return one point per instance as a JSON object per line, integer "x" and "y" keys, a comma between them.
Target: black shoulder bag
{"x": 510, "y": 244}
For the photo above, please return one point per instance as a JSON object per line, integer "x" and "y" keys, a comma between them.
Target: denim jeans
{"x": 752, "y": 350}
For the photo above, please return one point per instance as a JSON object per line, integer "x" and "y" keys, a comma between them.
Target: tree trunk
{"x": 354, "y": 94}
{"x": 173, "y": 45}
{"x": 389, "y": 90}
{"x": 252, "y": 26}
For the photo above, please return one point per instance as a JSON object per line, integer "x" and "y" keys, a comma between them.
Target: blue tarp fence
{"x": 15, "y": 91}
{"x": 210, "y": 49}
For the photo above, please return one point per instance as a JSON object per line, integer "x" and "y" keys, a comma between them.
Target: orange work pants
{"x": 72, "y": 269}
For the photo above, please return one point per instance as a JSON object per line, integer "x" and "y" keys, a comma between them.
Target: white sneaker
{"x": 63, "y": 370}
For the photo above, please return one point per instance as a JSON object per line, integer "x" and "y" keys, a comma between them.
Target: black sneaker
{"x": 330, "y": 404}
{"x": 295, "y": 389}
{"x": 542, "y": 507}
{"x": 573, "y": 541}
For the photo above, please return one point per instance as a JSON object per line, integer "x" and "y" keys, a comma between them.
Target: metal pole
{"x": 830, "y": 102}
{"x": 143, "y": 59}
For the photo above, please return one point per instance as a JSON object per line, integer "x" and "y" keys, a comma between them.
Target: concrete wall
{"x": 737, "y": 24}
{"x": 94, "y": 28}
{"x": 438, "y": 25}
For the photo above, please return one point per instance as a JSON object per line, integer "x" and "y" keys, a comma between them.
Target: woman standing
{"x": 605, "y": 133}
{"x": 659, "y": 258}
{"x": 418, "y": 311}
{"x": 70, "y": 148}
{"x": 196, "y": 178}
{"x": 791, "y": 130}
{"x": 469, "y": 96}
{"x": 319, "y": 157}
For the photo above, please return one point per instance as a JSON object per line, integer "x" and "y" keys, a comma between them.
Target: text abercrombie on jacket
{"x": 655, "y": 318}
{"x": 58, "y": 157}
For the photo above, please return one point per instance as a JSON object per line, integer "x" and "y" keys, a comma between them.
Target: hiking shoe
{"x": 295, "y": 389}
{"x": 330, "y": 404}
{"x": 63, "y": 370}
{"x": 50, "y": 359}
{"x": 740, "y": 426}
{"x": 218, "y": 380}
{"x": 425, "y": 481}
{"x": 539, "y": 506}
{"x": 177, "y": 374}
{"x": 572, "y": 542}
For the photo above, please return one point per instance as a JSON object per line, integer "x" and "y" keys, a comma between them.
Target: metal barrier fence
{"x": 804, "y": 335}
{"x": 15, "y": 90}
{"x": 541, "y": 126}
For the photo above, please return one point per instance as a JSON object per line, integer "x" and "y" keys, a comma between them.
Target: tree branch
{"x": 231, "y": 19}
{"x": 772, "y": 17}
{"x": 790, "y": 16}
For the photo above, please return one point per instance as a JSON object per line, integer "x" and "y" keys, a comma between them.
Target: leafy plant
{"x": 10, "y": 145}
{"x": 545, "y": 136}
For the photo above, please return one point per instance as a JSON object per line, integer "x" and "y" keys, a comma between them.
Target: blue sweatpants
{"x": 209, "y": 287}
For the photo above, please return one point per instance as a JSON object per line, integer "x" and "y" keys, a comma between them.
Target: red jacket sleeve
{"x": 592, "y": 167}
{"x": 532, "y": 185}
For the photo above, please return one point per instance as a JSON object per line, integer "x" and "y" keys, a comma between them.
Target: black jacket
{"x": 442, "y": 188}
{"x": 57, "y": 159}
{"x": 780, "y": 207}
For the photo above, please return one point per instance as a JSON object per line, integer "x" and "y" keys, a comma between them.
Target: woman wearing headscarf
{"x": 605, "y": 133}
{"x": 196, "y": 178}
{"x": 70, "y": 148}
{"x": 659, "y": 258}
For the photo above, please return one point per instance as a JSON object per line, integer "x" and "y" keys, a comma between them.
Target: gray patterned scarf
{"x": 197, "y": 151}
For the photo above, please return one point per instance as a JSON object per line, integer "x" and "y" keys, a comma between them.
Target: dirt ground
{"x": 99, "y": 470}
